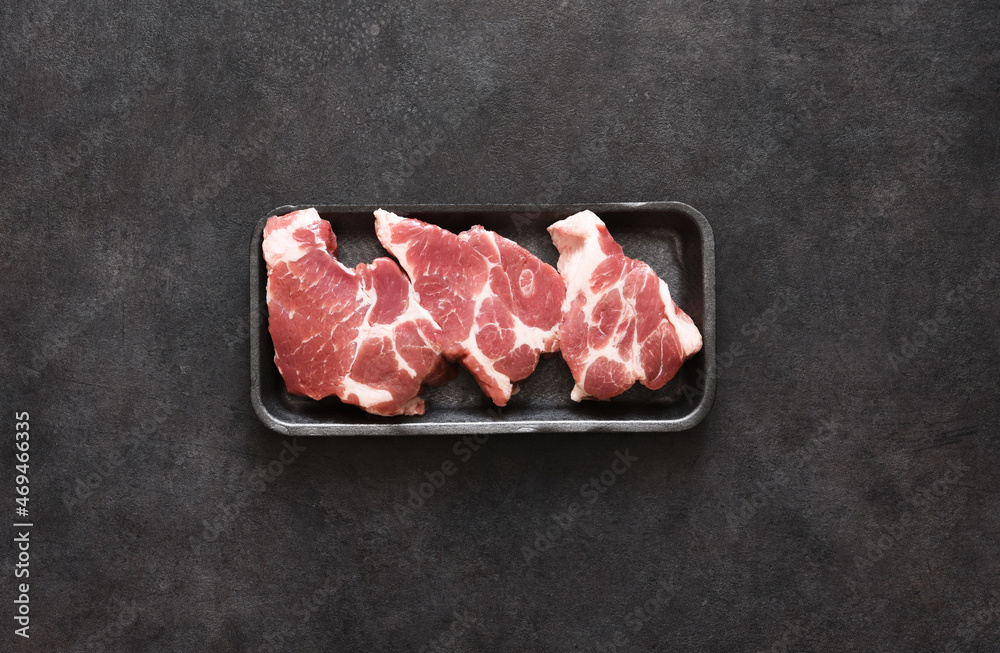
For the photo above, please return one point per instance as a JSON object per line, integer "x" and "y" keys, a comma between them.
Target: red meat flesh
{"x": 619, "y": 323}
{"x": 355, "y": 333}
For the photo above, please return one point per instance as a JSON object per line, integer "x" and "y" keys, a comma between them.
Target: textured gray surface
{"x": 846, "y": 156}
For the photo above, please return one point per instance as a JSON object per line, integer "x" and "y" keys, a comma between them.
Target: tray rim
{"x": 693, "y": 418}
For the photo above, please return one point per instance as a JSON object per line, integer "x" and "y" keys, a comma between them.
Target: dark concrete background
{"x": 846, "y": 156}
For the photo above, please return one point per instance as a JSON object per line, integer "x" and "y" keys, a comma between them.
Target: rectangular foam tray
{"x": 673, "y": 238}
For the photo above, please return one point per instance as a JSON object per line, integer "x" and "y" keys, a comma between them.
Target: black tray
{"x": 672, "y": 237}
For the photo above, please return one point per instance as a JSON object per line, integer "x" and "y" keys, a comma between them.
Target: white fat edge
{"x": 403, "y": 317}
{"x": 401, "y": 255}
{"x": 470, "y": 344}
{"x": 388, "y": 218}
{"x": 681, "y": 328}
{"x": 384, "y": 330}
{"x": 367, "y": 329}
{"x": 472, "y": 347}
{"x": 415, "y": 309}
{"x": 280, "y": 245}
{"x": 528, "y": 335}
{"x": 407, "y": 408}
{"x": 577, "y": 265}
{"x": 609, "y": 352}
{"x": 531, "y": 336}
{"x": 502, "y": 381}
{"x": 688, "y": 335}
{"x": 582, "y": 225}
{"x": 534, "y": 337}
{"x": 367, "y": 395}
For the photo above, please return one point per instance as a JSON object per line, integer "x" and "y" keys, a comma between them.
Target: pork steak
{"x": 619, "y": 322}
{"x": 355, "y": 333}
{"x": 497, "y": 304}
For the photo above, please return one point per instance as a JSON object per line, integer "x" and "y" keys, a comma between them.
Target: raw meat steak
{"x": 497, "y": 304}
{"x": 356, "y": 333}
{"x": 619, "y": 323}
